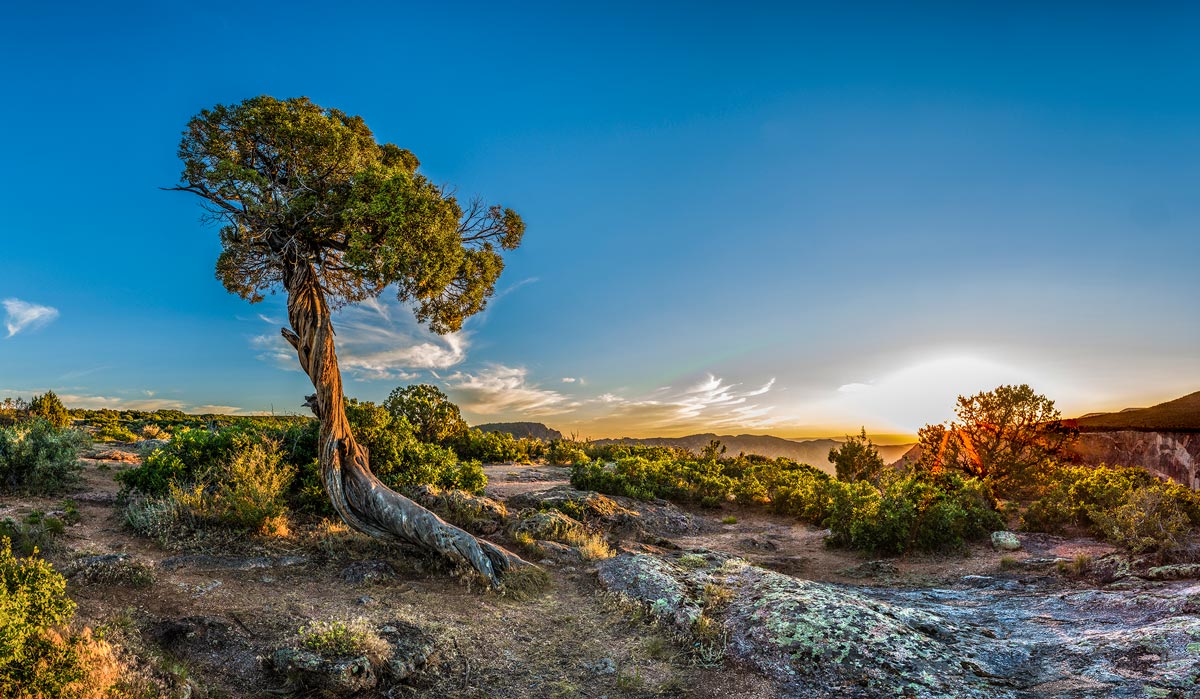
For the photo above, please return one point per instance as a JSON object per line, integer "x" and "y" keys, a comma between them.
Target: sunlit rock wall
{"x": 1174, "y": 455}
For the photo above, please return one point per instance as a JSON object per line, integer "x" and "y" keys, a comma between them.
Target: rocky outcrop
{"x": 988, "y": 637}
{"x": 624, "y": 518}
{"x": 1174, "y": 455}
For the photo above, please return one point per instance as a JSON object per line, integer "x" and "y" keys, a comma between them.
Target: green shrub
{"x": 251, "y": 487}
{"x": 36, "y": 457}
{"x": 245, "y": 492}
{"x": 919, "y": 511}
{"x": 496, "y": 447}
{"x": 39, "y": 657}
{"x": 784, "y": 485}
{"x": 565, "y": 452}
{"x": 1151, "y": 521}
{"x": 342, "y": 639}
{"x": 399, "y": 459}
{"x": 114, "y": 433}
{"x": 1128, "y": 507}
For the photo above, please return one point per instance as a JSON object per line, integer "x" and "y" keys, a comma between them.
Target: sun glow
{"x": 925, "y": 393}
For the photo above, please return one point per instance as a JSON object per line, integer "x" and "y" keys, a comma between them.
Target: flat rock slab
{"x": 989, "y": 637}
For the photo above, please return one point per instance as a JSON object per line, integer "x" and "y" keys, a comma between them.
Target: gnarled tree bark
{"x": 362, "y": 500}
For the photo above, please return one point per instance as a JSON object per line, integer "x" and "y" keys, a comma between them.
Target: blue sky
{"x": 743, "y": 217}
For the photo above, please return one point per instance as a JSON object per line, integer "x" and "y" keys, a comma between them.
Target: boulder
{"x": 1005, "y": 541}
{"x": 624, "y": 517}
{"x": 309, "y": 672}
{"x": 410, "y": 648}
{"x": 549, "y": 524}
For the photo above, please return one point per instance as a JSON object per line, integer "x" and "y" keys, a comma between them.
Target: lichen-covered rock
{"x": 559, "y": 553}
{"x": 309, "y": 672}
{"x": 474, "y": 513}
{"x": 412, "y": 648}
{"x": 549, "y": 524}
{"x": 1005, "y": 541}
{"x": 1179, "y": 571}
{"x": 989, "y": 637}
{"x": 577, "y": 503}
{"x": 659, "y": 584}
{"x": 626, "y": 517}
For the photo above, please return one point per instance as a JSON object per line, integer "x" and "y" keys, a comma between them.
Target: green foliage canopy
{"x": 294, "y": 183}
{"x": 433, "y": 416}
{"x": 48, "y": 407}
{"x": 1004, "y": 436}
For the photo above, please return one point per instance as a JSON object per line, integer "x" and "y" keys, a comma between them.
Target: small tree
{"x": 713, "y": 450}
{"x": 434, "y": 418}
{"x": 1002, "y": 435}
{"x": 857, "y": 459}
{"x": 48, "y": 407}
{"x": 312, "y": 204}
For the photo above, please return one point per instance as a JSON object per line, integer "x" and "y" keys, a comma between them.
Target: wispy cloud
{"x": 20, "y": 316}
{"x": 709, "y": 404}
{"x": 503, "y": 389}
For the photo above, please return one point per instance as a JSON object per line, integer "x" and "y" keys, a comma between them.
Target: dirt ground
{"x": 215, "y": 624}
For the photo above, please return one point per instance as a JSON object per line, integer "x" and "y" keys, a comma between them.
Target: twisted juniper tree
{"x": 309, "y": 202}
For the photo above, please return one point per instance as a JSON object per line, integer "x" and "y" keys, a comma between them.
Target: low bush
{"x": 565, "y": 452}
{"x": 1126, "y": 506}
{"x": 36, "y": 457}
{"x": 40, "y": 657}
{"x": 914, "y": 512}
{"x": 342, "y": 639}
{"x": 779, "y": 483}
{"x": 496, "y": 447}
{"x": 114, "y": 433}
{"x": 245, "y": 494}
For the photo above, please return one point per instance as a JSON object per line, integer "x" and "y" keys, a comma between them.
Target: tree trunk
{"x": 362, "y": 500}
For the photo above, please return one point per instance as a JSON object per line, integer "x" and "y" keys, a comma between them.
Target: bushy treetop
{"x": 294, "y": 183}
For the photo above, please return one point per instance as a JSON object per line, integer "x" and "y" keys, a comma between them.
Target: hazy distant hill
{"x": 534, "y": 430}
{"x": 814, "y": 452}
{"x": 1179, "y": 415}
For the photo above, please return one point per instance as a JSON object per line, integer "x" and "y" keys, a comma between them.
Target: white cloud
{"x": 21, "y": 315}
{"x": 503, "y": 389}
{"x": 569, "y": 379}
{"x": 376, "y": 339}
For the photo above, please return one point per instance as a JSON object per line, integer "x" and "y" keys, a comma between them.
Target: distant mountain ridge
{"x": 814, "y": 452}
{"x": 1179, "y": 415}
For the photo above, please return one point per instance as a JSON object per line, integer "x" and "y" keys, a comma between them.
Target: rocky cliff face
{"x": 1174, "y": 455}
